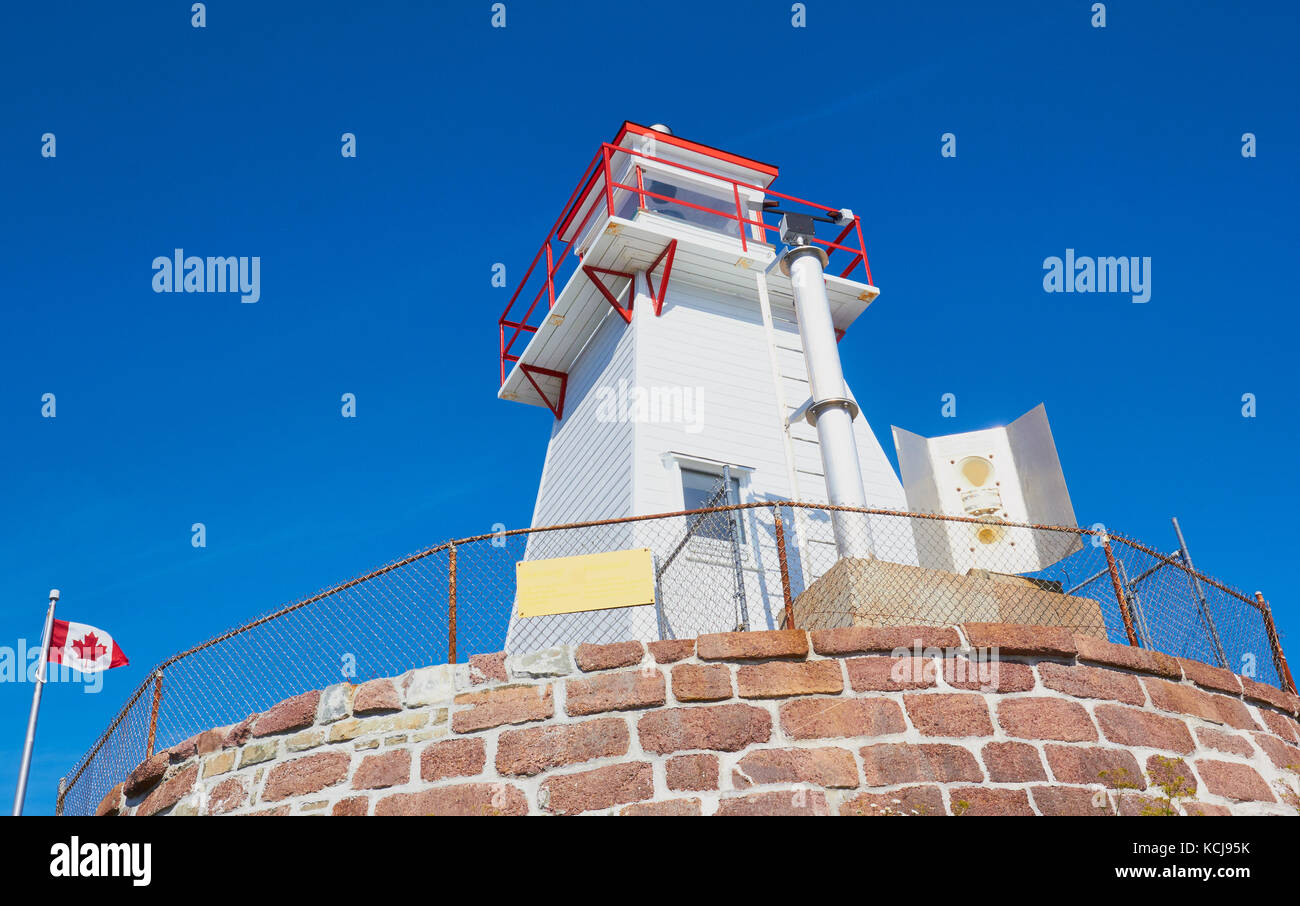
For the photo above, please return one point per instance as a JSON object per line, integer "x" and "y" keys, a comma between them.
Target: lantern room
{"x": 678, "y": 211}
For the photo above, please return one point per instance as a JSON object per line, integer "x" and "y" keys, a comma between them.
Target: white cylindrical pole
{"x": 26, "y": 765}
{"x": 831, "y": 410}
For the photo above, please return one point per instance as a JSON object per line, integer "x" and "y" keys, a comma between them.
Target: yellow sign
{"x": 588, "y": 582}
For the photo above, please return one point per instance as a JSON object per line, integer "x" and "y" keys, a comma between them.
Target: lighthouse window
{"x": 673, "y": 193}
{"x": 701, "y": 490}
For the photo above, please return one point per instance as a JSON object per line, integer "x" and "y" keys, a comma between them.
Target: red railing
{"x": 555, "y": 250}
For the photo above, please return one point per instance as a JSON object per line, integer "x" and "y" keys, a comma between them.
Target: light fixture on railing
{"x": 798, "y": 228}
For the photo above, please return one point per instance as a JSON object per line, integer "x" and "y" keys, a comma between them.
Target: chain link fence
{"x": 755, "y": 566}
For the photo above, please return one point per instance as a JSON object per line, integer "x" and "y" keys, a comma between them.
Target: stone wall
{"x": 831, "y": 722}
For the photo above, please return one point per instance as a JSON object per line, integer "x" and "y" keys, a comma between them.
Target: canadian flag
{"x": 84, "y": 648}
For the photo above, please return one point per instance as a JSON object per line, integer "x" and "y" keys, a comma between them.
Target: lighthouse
{"x": 682, "y": 322}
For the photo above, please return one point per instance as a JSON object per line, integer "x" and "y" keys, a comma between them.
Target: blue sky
{"x": 175, "y": 409}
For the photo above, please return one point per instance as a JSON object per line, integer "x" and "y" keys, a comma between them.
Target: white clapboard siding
{"x": 587, "y": 476}
{"x": 713, "y": 345}
{"x": 588, "y": 471}
{"x": 710, "y": 356}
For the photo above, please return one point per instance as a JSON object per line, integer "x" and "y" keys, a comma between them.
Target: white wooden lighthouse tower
{"x": 661, "y": 324}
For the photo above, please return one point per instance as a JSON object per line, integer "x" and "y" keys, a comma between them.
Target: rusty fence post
{"x": 1120, "y": 597}
{"x": 153, "y": 713}
{"x": 785, "y": 569}
{"x": 451, "y": 605}
{"x": 1279, "y": 658}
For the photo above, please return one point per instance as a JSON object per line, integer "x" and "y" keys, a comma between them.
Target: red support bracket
{"x": 591, "y": 273}
{"x": 556, "y": 407}
{"x": 658, "y": 295}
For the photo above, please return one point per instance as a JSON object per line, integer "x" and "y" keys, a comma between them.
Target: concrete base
{"x": 857, "y": 592}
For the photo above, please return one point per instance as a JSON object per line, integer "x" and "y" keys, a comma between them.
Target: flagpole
{"x": 21, "y": 793}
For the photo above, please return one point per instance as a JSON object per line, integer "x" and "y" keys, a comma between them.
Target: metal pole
{"x": 1097, "y": 575}
{"x": 26, "y": 765}
{"x": 1200, "y": 594}
{"x": 1147, "y": 572}
{"x": 733, "y": 523}
{"x": 660, "y": 618}
{"x": 785, "y": 569}
{"x": 153, "y": 714}
{"x": 451, "y": 605}
{"x": 1279, "y": 658}
{"x": 1119, "y": 591}
{"x": 1143, "y": 630}
{"x": 831, "y": 412}
{"x": 1088, "y": 581}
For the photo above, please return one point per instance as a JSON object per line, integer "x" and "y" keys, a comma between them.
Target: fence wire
{"x": 718, "y": 568}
